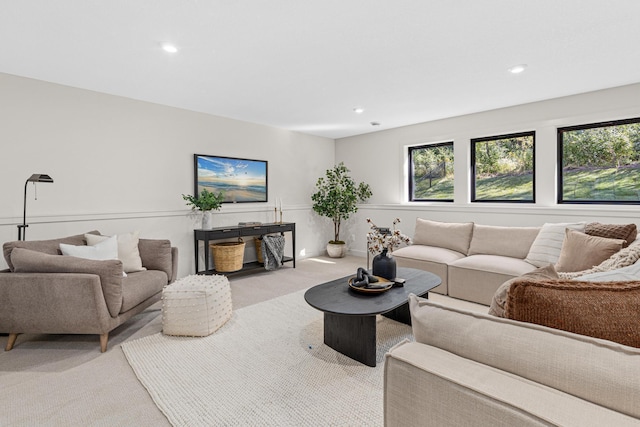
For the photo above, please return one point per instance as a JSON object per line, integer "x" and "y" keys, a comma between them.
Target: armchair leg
{"x": 104, "y": 339}
{"x": 11, "y": 341}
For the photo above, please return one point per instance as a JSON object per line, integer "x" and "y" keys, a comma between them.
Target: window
{"x": 503, "y": 168}
{"x": 600, "y": 163}
{"x": 431, "y": 172}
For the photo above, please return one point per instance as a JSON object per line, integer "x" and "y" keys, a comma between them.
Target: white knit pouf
{"x": 196, "y": 305}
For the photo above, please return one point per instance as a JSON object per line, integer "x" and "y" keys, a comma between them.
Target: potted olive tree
{"x": 337, "y": 197}
{"x": 206, "y": 202}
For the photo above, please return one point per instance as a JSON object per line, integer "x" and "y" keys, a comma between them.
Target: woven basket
{"x": 258, "y": 243}
{"x": 228, "y": 256}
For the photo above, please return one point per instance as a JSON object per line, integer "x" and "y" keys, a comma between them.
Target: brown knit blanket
{"x": 608, "y": 310}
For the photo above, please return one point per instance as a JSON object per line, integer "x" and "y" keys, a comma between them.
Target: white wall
{"x": 121, "y": 165}
{"x": 379, "y": 159}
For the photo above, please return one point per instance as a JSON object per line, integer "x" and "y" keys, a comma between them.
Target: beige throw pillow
{"x": 128, "y": 251}
{"x": 581, "y": 251}
{"x": 455, "y": 236}
{"x": 548, "y": 244}
{"x": 500, "y": 297}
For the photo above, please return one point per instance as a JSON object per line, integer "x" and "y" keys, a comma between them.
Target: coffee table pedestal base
{"x": 353, "y": 336}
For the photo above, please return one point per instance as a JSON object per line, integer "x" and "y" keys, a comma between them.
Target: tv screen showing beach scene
{"x": 241, "y": 180}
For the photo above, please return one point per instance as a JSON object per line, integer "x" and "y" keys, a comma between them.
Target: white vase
{"x": 335, "y": 250}
{"x": 207, "y": 220}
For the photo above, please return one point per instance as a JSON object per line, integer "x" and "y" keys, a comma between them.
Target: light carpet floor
{"x": 267, "y": 366}
{"x": 64, "y": 380}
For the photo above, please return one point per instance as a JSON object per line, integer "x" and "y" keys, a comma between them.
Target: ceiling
{"x": 305, "y": 65}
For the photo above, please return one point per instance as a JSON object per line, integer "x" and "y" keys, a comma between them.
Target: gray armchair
{"x": 44, "y": 292}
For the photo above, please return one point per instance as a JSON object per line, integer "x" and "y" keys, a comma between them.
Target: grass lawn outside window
{"x": 503, "y": 168}
{"x": 600, "y": 163}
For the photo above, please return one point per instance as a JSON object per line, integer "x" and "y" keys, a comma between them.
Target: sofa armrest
{"x": 157, "y": 254}
{"x": 52, "y": 303}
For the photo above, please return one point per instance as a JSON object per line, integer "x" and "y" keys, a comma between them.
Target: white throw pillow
{"x": 128, "y": 251}
{"x": 107, "y": 249}
{"x": 547, "y": 246}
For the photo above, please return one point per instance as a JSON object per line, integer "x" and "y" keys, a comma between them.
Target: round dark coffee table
{"x": 350, "y": 316}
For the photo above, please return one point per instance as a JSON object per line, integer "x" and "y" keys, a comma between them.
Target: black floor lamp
{"x": 36, "y": 177}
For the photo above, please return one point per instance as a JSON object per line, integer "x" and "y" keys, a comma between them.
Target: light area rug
{"x": 267, "y": 366}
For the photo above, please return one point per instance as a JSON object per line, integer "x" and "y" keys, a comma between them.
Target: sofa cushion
{"x": 596, "y": 370}
{"x": 476, "y": 277}
{"x": 139, "y": 286}
{"x": 449, "y": 235}
{"x": 581, "y": 251}
{"x": 110, "y": 271}
{"x": 548, "y": 243}
{"x": 500, "y": 297}
{"x": 51, "y": 246}
{"x": 494, "y": 264}
{"x": 127, "y": 247}
{"x": 506, "y": 241}
{"x": 428, "y": 253}
{"x": 607, "y": 310}
{"x": 626, "y": 232}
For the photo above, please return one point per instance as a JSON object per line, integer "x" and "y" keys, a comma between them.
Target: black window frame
{"x": 560, "y": 160}
{"x": 411, "y": 174}
{"x": 474, "y": 141}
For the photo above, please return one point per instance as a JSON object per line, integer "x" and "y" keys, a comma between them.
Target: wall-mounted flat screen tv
{"x": 241, "y": 180}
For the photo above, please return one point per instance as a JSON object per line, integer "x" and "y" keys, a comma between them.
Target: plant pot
{"x": 207, "y": 220}
{"x": 384, "y": 265}
{"x": 336, "y": 250}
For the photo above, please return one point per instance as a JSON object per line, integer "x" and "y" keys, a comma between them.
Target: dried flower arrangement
{"x": 379, "y": 238}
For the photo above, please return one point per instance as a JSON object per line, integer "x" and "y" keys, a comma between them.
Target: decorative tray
{"x": 382, "y": 285}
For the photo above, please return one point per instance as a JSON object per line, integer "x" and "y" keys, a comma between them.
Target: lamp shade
{"x": 40, "y": 177}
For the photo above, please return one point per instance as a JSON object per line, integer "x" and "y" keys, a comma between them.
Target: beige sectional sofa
{"x": 472, "y": 260}
{"x": 44, "y": 292}
{"x": 469, "y": 368}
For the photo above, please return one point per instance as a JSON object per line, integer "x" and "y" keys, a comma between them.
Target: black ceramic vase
{"x": 384, "y": 265}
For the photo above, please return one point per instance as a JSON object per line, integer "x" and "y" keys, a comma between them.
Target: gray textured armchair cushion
{"x": 110, "y": 271}
{"x": 51, "y": 247}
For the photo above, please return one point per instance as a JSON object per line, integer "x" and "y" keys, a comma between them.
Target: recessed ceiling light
{"x": 517, "y": 69}
{"x": 168, "y": 47}
{"x": 358, "y": 110}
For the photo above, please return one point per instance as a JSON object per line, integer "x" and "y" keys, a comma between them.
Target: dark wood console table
{"x": 235, "y": 231}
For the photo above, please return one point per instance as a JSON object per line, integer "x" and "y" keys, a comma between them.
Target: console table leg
{"x": 353, "y": 336}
